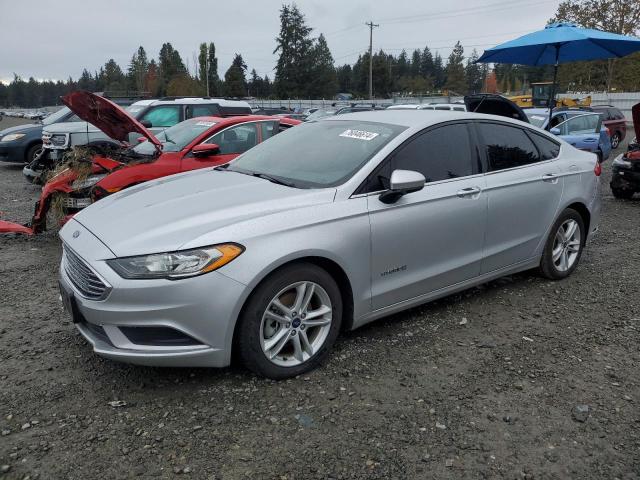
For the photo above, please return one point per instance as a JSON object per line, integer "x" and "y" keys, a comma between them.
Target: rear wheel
{"x": 290, "y": 322}
{"x": 622, "y": 194}
{"x": 564, "y": 246}
{"x": 615, "y": 140}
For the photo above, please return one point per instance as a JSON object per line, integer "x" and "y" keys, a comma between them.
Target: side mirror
{"x": 146, "y": 123}
{"x": 555, "y": 131}
{"x": 402, "y": 183}
{"x": 205, "y": 149}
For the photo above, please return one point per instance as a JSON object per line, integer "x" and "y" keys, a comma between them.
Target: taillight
{"x": 606, "y": 129}
{"x": 597, "y": 169}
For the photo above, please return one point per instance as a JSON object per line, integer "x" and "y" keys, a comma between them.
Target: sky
{"x": 55, "y": 39}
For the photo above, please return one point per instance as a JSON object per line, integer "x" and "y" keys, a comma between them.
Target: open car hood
{"x": 493, "y": 104}
{"x": 635, "y": 112}
{"x": 107, "y": 116}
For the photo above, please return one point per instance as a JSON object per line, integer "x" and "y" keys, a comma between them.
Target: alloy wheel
{"x": 615, "y": 141}
{"x": 566, "y": 245}
{"x": 296, "y": 324}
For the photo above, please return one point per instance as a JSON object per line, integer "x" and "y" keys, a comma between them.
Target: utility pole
{"x": 371, "y": 26}
{"x": 206, "y": 63}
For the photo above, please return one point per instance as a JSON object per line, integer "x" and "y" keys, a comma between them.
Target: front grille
{"x": 83, "y": 278}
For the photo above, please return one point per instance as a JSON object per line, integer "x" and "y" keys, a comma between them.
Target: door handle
{"x": 469, "y": 192}
{"x": 550, "y": 177}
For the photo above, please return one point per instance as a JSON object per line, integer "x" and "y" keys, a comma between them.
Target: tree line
{"x": 306, "y": 68}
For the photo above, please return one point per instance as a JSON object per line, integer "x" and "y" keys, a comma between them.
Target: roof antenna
{"x": 478, "y": 106}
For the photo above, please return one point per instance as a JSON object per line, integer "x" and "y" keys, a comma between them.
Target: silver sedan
{"x": 322, "y": 228}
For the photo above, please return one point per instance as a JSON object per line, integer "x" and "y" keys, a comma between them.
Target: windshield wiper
{"x": 272, "y": 179}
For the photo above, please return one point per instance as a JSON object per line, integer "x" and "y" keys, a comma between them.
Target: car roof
{"x": 194, "y": 101}
{"x": 417, "y": 118}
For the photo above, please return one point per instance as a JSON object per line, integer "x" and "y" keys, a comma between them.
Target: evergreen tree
{"x": 234, "y": 79}
{"x": 426, "y": 63}
{"x": 324, "y": 81}
{"x": 456, "y": 81}
{"x": 138, "y": 70}
{"x": 474, "y": 73}
{"x": 113, "y": 77}
{"x": 416, "y": 59}
{"x": 439, "y": 75}
{"x": 208, "y": 64}
{"x": 170, "y": 65}
{"x": 294, "y": 66}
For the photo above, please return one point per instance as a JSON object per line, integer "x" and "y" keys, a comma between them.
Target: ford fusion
{"x": 323, "y": 228}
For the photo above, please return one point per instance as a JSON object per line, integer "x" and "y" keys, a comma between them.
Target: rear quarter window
{"x": 547, "y": 147}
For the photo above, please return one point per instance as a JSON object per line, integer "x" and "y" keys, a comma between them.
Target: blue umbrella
{"x": 561, "y": 43}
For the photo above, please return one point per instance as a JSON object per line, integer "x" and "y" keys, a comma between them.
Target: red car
{"x": 195, "y": 143}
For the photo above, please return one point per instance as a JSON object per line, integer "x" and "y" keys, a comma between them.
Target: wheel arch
{"x": 332, "y": 267}
{"x": 584, "y": 212}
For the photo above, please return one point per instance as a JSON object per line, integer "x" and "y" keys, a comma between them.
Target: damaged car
{"x": 625, "y": 178}
{"x": 86, "y": 177}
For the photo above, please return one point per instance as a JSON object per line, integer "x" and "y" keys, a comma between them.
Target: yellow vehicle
{"x": 540, "y": 98}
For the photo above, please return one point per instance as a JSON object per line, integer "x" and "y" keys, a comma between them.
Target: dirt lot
{"x": 484, "y": 384}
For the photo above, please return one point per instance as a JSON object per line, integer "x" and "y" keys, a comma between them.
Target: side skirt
{"x": 443, "y": 292}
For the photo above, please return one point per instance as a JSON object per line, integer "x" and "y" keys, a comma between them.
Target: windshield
{"x": 537, "y": 119}
{"x": 175, "y": 138}
{"x": 55, "y": 117}
{"x": 134, "y": 109}
{"x": 322, "y": 113}
{"x": 318, "y": 154}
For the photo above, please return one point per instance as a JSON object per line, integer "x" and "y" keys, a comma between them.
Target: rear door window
{"x": 507, "y": 146}
{"x": 268, "y": 129}
{"x": 581, "y": 125}
{"x": 548, "y": 148}
{"x": 209, "y": 110}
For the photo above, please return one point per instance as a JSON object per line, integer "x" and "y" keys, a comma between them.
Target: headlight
{"x": 12, "y": 136}
{"x": 620, "y": 162}
{"x": 58, "y": 140}
{"x": 174, "y": 265}
{"x": 90, "y": 181}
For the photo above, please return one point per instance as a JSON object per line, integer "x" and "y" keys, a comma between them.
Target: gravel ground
{"x": 520, "y": 378}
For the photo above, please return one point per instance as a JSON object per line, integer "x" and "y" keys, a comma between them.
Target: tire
{"x": 561, "y": 252}
{"x": 615, "y": 140}
{"x": 622, "y": 194}
{"x": 263, "y": 327}
{"x": 32, "y": 152}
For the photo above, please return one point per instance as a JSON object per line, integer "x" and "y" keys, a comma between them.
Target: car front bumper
{"x": 177, "y": 323}
{"x": 13, "y": 152}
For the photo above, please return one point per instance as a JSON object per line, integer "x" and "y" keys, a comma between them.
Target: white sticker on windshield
{"x": 359, "y": 134}
{"x": 205, "y": 124}
{"x": 538, "y": 117}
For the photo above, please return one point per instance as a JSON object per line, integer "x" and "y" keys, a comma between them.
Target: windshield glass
{"x": 322, "y": 113}
{"x": 537, "y": 119}
{"x": 318, "y": 154}
{"x": 135, "y": 109}
{"x": 177, "y": 137}
{"x": 55, "y": 117}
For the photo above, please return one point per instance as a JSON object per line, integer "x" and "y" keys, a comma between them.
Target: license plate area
{"x": 69, "y": 302}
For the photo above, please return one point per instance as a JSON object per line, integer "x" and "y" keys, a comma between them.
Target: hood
{"x": 635, "y": 113}
{"x": 492, "y": 104}
{"x": 20, "y": 129}
{"x": 69, "y": 127}
{"x": 107, "y": 116}
{"x": 167, "y": 214}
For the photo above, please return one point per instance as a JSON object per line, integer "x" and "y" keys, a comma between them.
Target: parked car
{"x": 23, "y": 143}
{"x": 193, "y": 144}
{"x": 615, "y": 121}
{"x": 323, "y": 228}
{"x": 625, "y": 178}
{"x": 156, "y": 115}
{"x": 580, "y": 128}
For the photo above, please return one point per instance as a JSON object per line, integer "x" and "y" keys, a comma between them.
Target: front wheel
{"x": 615, "y": 140}
{"x": 290, "y": 322}
{"x": 564, "y": 246}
